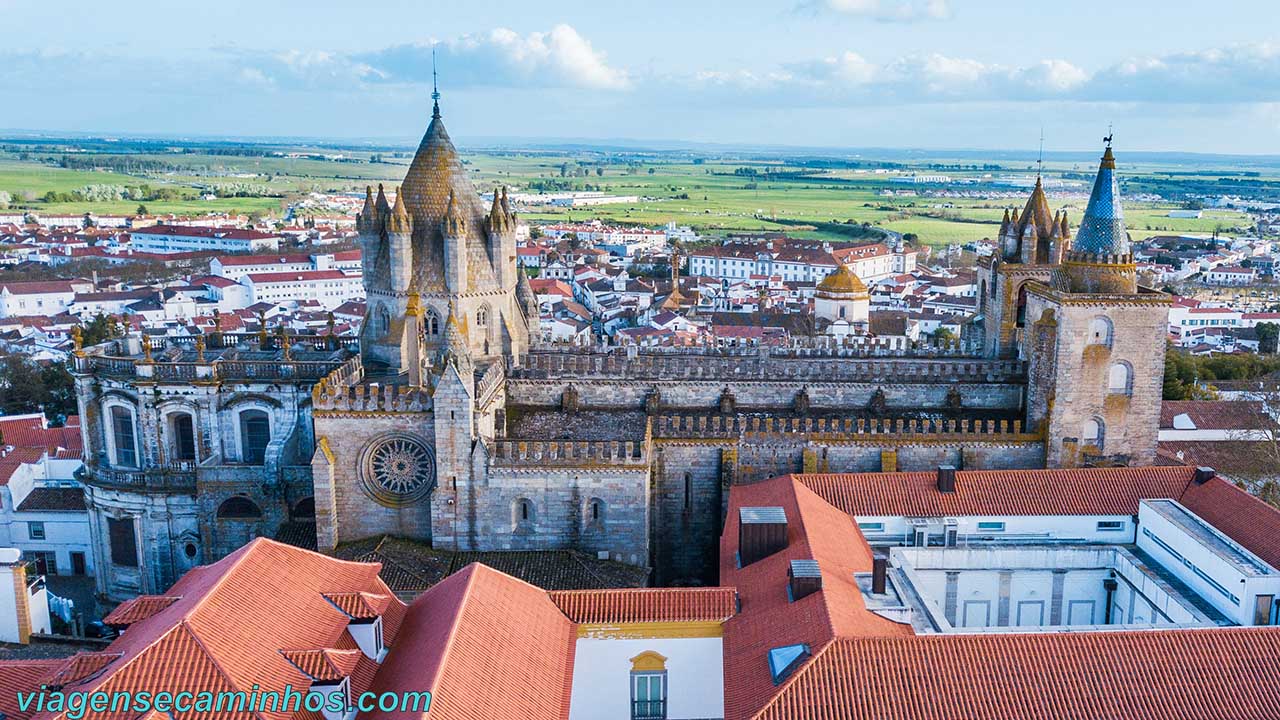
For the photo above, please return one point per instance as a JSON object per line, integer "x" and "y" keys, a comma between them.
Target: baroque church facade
{"x": 452, "y": 423}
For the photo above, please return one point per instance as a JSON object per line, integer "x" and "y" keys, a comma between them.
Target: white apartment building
{"x": 179, "y": 239}
{"x": 330, "y": 288}
{"x": 237, "y": 267}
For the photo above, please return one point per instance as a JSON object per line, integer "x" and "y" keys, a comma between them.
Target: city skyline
{"x": 819, "y": 73}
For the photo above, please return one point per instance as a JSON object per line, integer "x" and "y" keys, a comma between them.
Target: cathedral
{"x": 452, "y": 423}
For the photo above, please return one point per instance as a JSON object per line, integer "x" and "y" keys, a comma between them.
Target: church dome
{"x": 842, "y": 282}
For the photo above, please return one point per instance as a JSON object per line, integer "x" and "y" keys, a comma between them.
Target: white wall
{"x": 602, "y": 677}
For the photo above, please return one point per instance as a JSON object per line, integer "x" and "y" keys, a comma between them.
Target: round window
{"x": 398, "y": 469}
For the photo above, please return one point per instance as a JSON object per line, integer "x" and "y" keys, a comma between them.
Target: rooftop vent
{"x": 804, "y": 578}
{"x": 879, "y": 573}
{"x": 947, "y": 478}
{"x": 762, "y": 531}
{"x": 1204, "y": 475}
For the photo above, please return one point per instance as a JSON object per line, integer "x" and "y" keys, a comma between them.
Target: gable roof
{"x": 714, "y": 604}
{"x": 486, "y": 645}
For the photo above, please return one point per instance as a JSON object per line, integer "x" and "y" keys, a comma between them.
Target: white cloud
{"x": 502, "y": 57}
{"x": 886, "y": 10}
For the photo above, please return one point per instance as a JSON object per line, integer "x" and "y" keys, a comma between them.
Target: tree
{"x": 22, "y": 387}
{"x": 101, "y": 329}
{"x": 60, "y": 392}
{"x": 651, "y": 171}
{"x": 599, "y": 171}
{"x": 142, "y": 210}
{"x": 1268, "y": 337}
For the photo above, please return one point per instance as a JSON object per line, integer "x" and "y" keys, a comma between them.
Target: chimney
{"x": 947, "y": 478}
{"x": 879, "y": 572}
{"x": 804, "y": 578}
{"x": 762, "y": 531}
{"x": 1204, "y": 475}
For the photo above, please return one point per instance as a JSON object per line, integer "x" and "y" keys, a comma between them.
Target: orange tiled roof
{"x": 1243, "y": 517}
{"x": 486, "y": 645}
{"x": 1089, "y": 491}
{"x": 138, "y": 609}
{"x": 322, "y": 665}
{"x": 646, "y": 605}
{"x": 214, "y": 638}
{"x": 82, "y": 666}
{"x": 1186, "y": 674}
{"x": 359, "y": 605}
{"x": 24, "y": 676}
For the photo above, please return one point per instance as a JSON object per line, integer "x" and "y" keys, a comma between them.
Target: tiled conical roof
{"x": 1037, "y": 212}
{"x": 435, "y": 173}
{"x": 1101, "y": 230}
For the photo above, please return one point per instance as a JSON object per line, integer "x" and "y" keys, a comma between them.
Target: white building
{"x": 237, "y": 267}
{"x": 1229, "y": 275}
{"x": 41, "y": 297}
{"x": 330, "y": 288}
{"x": 179, "y": 239}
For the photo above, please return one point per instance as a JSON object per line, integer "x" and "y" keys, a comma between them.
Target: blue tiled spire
{"x": 1101, "y": 229}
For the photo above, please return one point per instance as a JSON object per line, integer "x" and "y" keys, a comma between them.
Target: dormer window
{"x": 368, "y": 636}
{"x": 365, "y": 613}
{"x": 336, "y": 697}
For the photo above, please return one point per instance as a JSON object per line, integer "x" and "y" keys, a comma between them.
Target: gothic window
{"x": 482, "y": 317}
{"x": 384, "y": 321}
{"x": 255, "y": 434}
{"x": 183, "y": 437}
{"x": 239, "y": 508}
{"x": 432, "y": 323}
{"x": 124, "y": 440}
{"x": 398, "y": 469}
{"x": 1100, "y": 331}
{"x": 1120, "y": 379}
{"x": 1022, "y": 306}
{"x": 1094, "y": 433}
{"x": 124, "y": 545}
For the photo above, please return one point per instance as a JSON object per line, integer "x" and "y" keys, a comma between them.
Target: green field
{"x": 706, "y": 195}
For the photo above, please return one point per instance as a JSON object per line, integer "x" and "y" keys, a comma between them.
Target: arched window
{"x": 182, "y": 436}
{"x": 1120, "y": 379}
{"x": 1100, "y": 331}
{"x": 1094, "y": 433}
{"x": 384, "y": 320}
{"x": 522, "y": 514}
{"x": 595, "y": 512}
{"x": 239, "y": 508}
{"x": 648, "y": 685}
{"x": 482, "y": 317}
{"x": 255, "y": 434}
{"x": 1022, "y": 306}
{"x": 124, "y": 438}
{"x": 432, "y": 323}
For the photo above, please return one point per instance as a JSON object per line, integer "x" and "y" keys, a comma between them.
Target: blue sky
{"x": 844, "y": 73}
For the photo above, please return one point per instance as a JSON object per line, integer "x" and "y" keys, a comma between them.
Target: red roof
{"x": 29, "y": 431}
{"x": 1243, "y": 517}
{"x": 202, "y": 231}
{"x": 38, "y": 287}
{"x": 296, "y": 258}
{"x": 214, "y": 637}
{"x": 300, "y": 276}
{"x": 1186, "y": 674}
{"x": 1217, "y": 414}
{"x": 486, "y": 645}
{"x": 1093, "y": 491}
{"x": 646, "y": 605}
{"x": 24, "y": 676}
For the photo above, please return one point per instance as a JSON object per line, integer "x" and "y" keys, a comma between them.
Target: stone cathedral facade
{"x": 451, "y": 423}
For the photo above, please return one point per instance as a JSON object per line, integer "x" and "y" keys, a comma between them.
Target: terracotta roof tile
{"x": 1190, "y": 675}
{"x": 324, "y": 665}
{"x": 486, "y": 645}
{"x": 53, "y": 499}
{"x": 359, "y": 605}
{"x": 23, "y": 676}
{"x": 1217, "y": 414}
{"x": 1243, "y": 517}
{"x": 647, "y": 605}
{"x": 138, "y": 609}
{"x": 1091, "y": 491}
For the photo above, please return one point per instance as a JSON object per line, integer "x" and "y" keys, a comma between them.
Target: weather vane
{"x": 1040, "y": 159}
{"x": 435, "y": 85}
{"x": 1110, "y": 133}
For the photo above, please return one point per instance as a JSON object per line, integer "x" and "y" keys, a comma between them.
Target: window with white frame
{"x": 991, "y": 526}
{"x": 124, "y": 439}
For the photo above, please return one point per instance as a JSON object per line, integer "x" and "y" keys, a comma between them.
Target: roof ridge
{"x": 827, "y": 609}
{"x": 195, "y": 637}
{"x": 454, "y": 623}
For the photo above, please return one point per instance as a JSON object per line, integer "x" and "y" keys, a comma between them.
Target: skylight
{"x": 784, "y": 660}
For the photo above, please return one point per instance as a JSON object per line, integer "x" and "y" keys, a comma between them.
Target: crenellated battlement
{"x": 763, "y": 363}
{"x": 820, "y": 428}
{"x": 344, "y": 391}
{"x": 556, "y": 453}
